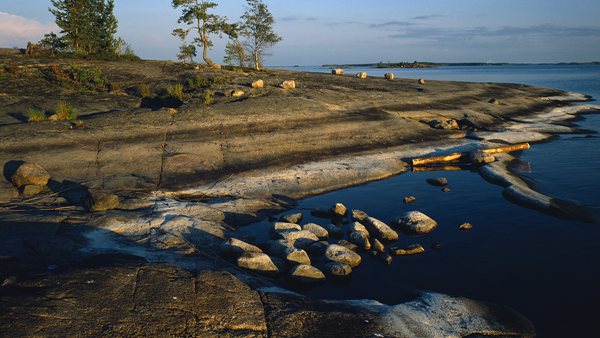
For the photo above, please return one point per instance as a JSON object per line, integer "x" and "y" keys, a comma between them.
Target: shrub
{"x": 176, "y": 91}
{"x": 207, "y": 97}
{"x": 36, "y": 115}
{"x": 66, "y": 111}
{"x": 144, "y": 91}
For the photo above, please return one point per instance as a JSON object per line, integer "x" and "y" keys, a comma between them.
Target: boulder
{"x": 277, "y": 247}
{"x": 234, "y": 247}
{"x": 340, "y": 254}
{"x": 279, "y": 227}
{"x": 376, "y": 245}
{"x": 389, "y": 76}
{"x": 300, "y": 239}
{"x": 288, "y": 84}
{"x": 447, "y": 124}
{"x": 303, "y": 273}
{"x": 337, "y": 270}
{"x": 409, "y": 199}
{"x": 321, "y": 212}
{"x": 347, "y": 245}
{"x": 293, "y": 218}
{"x": 237, "y": 93}
{"x": 481, "y": 157}
{"x": 361, "y": 75}
{"x": 216, "y": 66}
{"x": 493, "y": 101}
{"x": 357, "y": 215}
{"x": 31, "y": 189}
{"x": 261, "y": 263}
{"x": 383, "y": 257}
{"x": 409, "y": 250}
{"x": 465, "y": 226}
{"x": 414, "y": 223}
{"x": 438, "y": 182}
{"x": 316, "y": 229}
{"x": 98, "y": 199}
{"x": 338, "y": 210}
{"x": 379, "y": 230}
{"x": 257, "y": 84}
{"x": 421, "y": 81}
{"x": 334, "y": 231}
{"x": 294, "y": 256}
{"x": 357, "y": 226}
{"x": 30, "y": 173}
{"x": 361, "y": 239}
{"x": 337, "y": 71}
{"x": 317, "y": 249}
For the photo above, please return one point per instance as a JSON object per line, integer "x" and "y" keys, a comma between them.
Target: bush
{"x": 176, "y": 91}
{"x": 144, "y": 91}
{"x": 65, "y": 111}
{"x": 36, "y": 115}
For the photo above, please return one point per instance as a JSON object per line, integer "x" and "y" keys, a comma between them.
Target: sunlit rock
{"x": 414, "y": 223}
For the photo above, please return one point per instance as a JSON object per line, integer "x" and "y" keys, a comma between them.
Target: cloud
{"x": 17, "y": 30}
{"x": 392, "y": 24}
{"x": 427, "y": 17}
{"x": 296, "y": 18}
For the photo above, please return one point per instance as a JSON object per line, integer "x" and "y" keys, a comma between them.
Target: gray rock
{"x": 357, "y": 226}
{"x": 278, "y": 227}
{"x": 277, "y": 247}
{"x": 338, "y": 210}
{"x": 376, "y": 245}
{"x": 409, "y": 250}
{"x": 361, "y": 239}
{"x": 294, "y": 256}
{"x": 438, "y": 182}
{"x": 340, "y": 254}
{"x": 358, "y": 215}
{"x": 414, "y": 223}
{"x": 294, "y": 218}
{"x": 316, "y": 229}
{"x": 317, "y": 249}
{"x": 303, "y": 273}
{"x": 337, "y": 270}
{"x": 321, "y": 212}
{"x": 234, "y": 247}
{"x": 98, "y": 199}
{"x": 261, "y": 263}
{"x": 379, "y": 230}
{"x": 300, "y": 239}
{"x": 348, "y": 245}
{"x": 481, "y": 157}
{"x": 337, "y": 71}
{"x": 334, "y": 231}
{"x": 30, "y": 173}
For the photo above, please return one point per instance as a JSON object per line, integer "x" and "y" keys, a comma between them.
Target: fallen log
{"x": 456, "y": 156}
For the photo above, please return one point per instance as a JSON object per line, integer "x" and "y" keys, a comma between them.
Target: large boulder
{"x": 361, "y": 75}
{"x": 98, "y": 199}
{"x": 278, "y": 227}
{"x": 300, "y": 239}
{"x": 257, "y": 84}
{"x": 379, "y": 230}
{"x": 337, "y": 270}
{"x": 389, "y": 76}
{"x": 340, "y": 254}
{"x": 357, "y": 226}
{"x": 261, "y": 263}
{"x": 317, "y": 249}
{"x": 303, "y": 273}
{"x": 337, "y": 71}
{"x": 277, "y": 247}
{"x": 317, "y": 230}
{"x": 294, "y": 256}
{"x": 30, "y": 173}
{"x": 358, "y": 215}
{"x": 334, "y": 231}
{"x": 288, "y": 84}
{"x": 338, "y": 210}
{"x": 481, "y": 157}
{"x": 414, "y": 223}
{"x": 234, "y": 247}
{"x": 292, "y": 218}
{"x": 361, "y": 239}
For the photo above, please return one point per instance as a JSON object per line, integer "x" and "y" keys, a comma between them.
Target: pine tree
{"x": 257, "y": 28}
{"x": 235, "y": 54}
{"x": 196, "y": 14}
{"x": 186, "y": 52}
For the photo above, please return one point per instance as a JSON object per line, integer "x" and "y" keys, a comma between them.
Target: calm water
{"x": 546, "y": 268}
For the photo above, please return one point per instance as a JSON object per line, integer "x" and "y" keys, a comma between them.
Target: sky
{"x": 317, "y": 32}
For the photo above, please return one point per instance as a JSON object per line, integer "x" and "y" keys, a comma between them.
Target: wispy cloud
{"x": 391, "y": 24}
{"x": 427, "y": 17}
{"x": 296, "y": 18}
{"x": 17, "y": 31}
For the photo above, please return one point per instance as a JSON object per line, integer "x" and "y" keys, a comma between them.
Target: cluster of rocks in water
{"x": 293, "y": 248}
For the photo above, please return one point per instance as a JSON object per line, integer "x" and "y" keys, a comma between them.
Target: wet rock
{"x": 338, "y": 210}
{"x": 277, "y": 247}
{"x": 358, "y": 215}
{"x": 261, "y": 263}
{"x": 340, "y": 254}
{"x": 438, "y": 182}
{"x": 414, "y": 223}
{"x": 361, "y": 239}
{"x": 98, "y": 199}
{"x": 409, "y": 199}
{"x": 436, "y": 246}
{"x": 334, "y": 231}
{"x": 321, "y": 212}
{"x": 257, "y": 84}
{"x": 300, "y": 239}
{"x": 357, "y": 226}
{"x": 317, "y": 230}
{"x": 361, "y": 75}
{"x": 376, "y": 245}
{"x": 295, "y": 256}
{"x": 337, "y": 71}
{"x": 379, "y": 230}
{"x": 347, "y": 245}
{"x": 303, "y": 273}
{"x": 234, "y": 247}
{"x": 480, "y": 157}
{"x": 288, "y": 84}
{"x": 465, "y": 227}
{"x": 317, "y": 249}
{"x": 382, "y": 257}
{"x": 30, "y": 173}
{"x": 409, "y": 250}
{"x": 294, "y": 218}
{"x": 337, "y": 270}
{"x": 278, "y": 227}
{"x": 389, "y": 76}
{"x": 31, "y": 189}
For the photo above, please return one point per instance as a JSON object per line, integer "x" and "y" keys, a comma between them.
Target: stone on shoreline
{"x": 30, "y": 173}
{"x": 340, "y": 254}
{"x": 389, "y": 76}
{"x": 409, "y": 250}
{"x": 295, "y": 256}
{"x": 361, "y": 75}
{"x": 303, "y": 273}
{"x": 421, "y": 81}
{"x": 379, "y": 230}
{"x": 337, "y": 71}
{"x": 321, "y": 212}
{"x": 317, "y": 230}
{"x": 357, "y": 226}
{"x": 261, "y": 263}
{"x": 301, "y": 239}
{"x": 358, "y": 215}
{"x": 481, "y": 157}
{"x": 278, "y": 227}
{"x": 334, "y": 231}
{"x": 233, "y": 247}
{"x": 98, "y": 199}
{"x": 361, "y": 239}
{"x": 277, "y": 247}
{"x": 293, "y": 218}
{"x": 337, "y": 270}
{"x": 338, "y": 210}
{"x": 414, "y": 223}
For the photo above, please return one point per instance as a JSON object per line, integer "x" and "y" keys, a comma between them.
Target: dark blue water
{"x": 546, "y": 268}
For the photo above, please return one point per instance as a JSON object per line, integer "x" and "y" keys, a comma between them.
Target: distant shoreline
{"x": 450, "y": 64}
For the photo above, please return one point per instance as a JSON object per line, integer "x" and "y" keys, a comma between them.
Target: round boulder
{"x": 30, "y": 173}
{"x": 334, "y": 231}
{"x": 317, "y": 230}
{"x": 438, "y": 182}
{"x": 357, "y": 226}
{"x": 379, "y": 230}
{"x": 257, "y": 84}
{"x": 338, "y": 210}
{"x": 261, "y": 263}
{"x": 361, "y": 75}
{"x": 389, "y": 76}
{"x": 340, "y": 254}
{"x": 337, "y": 270}
{"x": 414, "y": 223}
{"x": 294, "y": 256}
{"x": 300, "y": 239}
{"x": 294, "y": 218}
{"x": 278, "y": 227}
{"x": 303, "y": 273}
{"x": 98, "y": 199}
{"x": 357, "y": 215}
{"x": 361, "y": 239}
{"x": 277, "y": 247}
{"x": 234, "y": 247}
{"x": 317, "y": 249}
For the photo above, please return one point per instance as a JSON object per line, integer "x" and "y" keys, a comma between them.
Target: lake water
{"x": 546, "y": 268}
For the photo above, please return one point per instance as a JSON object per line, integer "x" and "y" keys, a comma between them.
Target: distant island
{"x": 416, "y": 64}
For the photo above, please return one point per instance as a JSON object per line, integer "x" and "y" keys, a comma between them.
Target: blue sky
{"x": 353, "y": 31}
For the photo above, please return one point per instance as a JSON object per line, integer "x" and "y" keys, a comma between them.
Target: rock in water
{"x": 340, "y": 254}
{"x": 337, "y": 71}
{"x": 317, "y": 230}
{"x": 337, "y": 270}
{"x": 438, "y": 182}
{"x": 379, "y": 230}
{"x": 409, "y": 250}
{"x": 414, "y": 223}
{"x": 300, "y": 239}
{"x": 361, "y": 239}
{"x": 338, "y": 210}
{"x": 30, "y": 173}
{"x": 261, "y": 263}
{"x": 465, "y": 227}
{"x": 303, "y": 273}
{"x": 278, "y": 227}
{"x": 294, "y": 256}
{"x": 294, "y": 218}
{"x": 334, "y": 231}
{"x": 234, "y": 247}
{"x": 321, "y": 212}
{"x": 98, "y": 199}
{"x": 358, "y": 215}
{"x": 409, "y": 199}
{"x": 481, "y": 157}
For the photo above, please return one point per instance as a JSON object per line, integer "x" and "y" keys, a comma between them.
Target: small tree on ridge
{"x": 257, "y": 28}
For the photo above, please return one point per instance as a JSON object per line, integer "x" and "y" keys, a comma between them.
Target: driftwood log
{"x": 456, "y": 156}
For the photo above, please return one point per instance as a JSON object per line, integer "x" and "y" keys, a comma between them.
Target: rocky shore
{"x": 145, "y": 186}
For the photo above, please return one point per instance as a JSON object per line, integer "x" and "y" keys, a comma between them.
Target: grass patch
{"x": 176, "y": 91}
{"x": 144, "y": 91}
{"x": 66, "y": 111}
{"x": 207, "y": 97}
{"x": 36, "y": 115}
